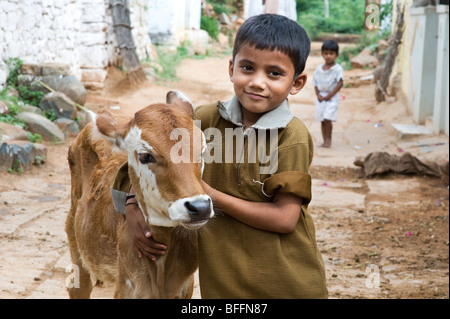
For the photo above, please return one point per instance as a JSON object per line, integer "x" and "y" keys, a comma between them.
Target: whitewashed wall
{"x": 168, "y": 19}
{"x": 285, "y": 7}
{"x": 74, "y": 32}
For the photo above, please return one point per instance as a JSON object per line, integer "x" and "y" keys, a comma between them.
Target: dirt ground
{"x": 383, "y": 237}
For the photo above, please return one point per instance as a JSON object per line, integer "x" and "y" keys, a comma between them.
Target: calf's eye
{"x": 146, "y": 158}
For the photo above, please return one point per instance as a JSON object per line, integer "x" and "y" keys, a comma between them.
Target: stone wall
{"x": 74, "y": 32}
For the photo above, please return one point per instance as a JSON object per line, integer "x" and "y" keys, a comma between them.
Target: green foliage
{"x": 346, "y": 16}
{"x": 211, "y": 26}
{"x": 34, "y": 138}
{"x": 369, "y": 40}
{"x": 50, "y": 114}
{"x": 16, "y": 168}
{"x": 14, "y": 65}
{"x": 169, "y": 62}
{"x": 26, "y": 95}
{"x": 12, "y": 103}
{"x": 30, "y": 97}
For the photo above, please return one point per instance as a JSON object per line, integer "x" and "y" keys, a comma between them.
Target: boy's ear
{"x": 231, "y": 69}
{"x": 299, "y": 83}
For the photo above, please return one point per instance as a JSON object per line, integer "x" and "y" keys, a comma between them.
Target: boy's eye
{"x": 246, "y": 68}
{"x": 275, "y": 73}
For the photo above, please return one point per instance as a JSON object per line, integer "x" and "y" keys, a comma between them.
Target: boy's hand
{"x": 320, "y": 98}
{"x": 141, "y": 235}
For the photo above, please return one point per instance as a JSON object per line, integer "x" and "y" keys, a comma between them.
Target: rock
{"x": 11, "y": 132}
{"x": 69, "y": 85}
{"x": 69, "y": 127}
{"x": 43, "y": 69}
{"x": 93, "y": 75}
{"x": 224, "y": 19}
{"x": 41, "y": 125}
{"x": 199, "y": 39}
{"x": 4, "y": 73}
{"x": 28, "y": 108}
{"x": 21, "y": 155}
{"x": 82, "y": 119}
{"x": 364, "y": 59}
{"x": 223, "y": 40}
{"x": 3, "y": 108}
{"x": 60, "y": 104}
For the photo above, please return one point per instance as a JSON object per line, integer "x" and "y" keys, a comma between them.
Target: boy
{"x": 327, "y": 83}
{"x": 263, "y": 244}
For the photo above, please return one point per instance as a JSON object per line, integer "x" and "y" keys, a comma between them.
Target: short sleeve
{"x": 292, "y": 182}
{"x": 339, "y": 73}
{"x": 315, "y": 80}
{"x": 294, "y": 159}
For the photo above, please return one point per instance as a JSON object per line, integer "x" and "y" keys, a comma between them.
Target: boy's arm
{"x": 139, "y": 231}
{"x": 338, "y": 87}
{"x": 280, "y": 216}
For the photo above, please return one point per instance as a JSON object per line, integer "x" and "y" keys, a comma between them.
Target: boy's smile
{"x": 262, "y": 80}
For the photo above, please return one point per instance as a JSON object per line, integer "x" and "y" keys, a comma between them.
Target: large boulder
{"x": 69, "y": 85}
{"x": 4, "y": 109}
{"x": 41, "y": 125}
{"x": 21, "y": 155}
{"x": 364, "y": 60}
{"x": 10, "y": 132}
{"x": 69, "y": 127}
{"x": 44, "y": 69}
{"x": 59, "y": 104}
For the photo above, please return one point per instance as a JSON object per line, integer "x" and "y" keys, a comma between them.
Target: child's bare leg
{"x": 323, "y": 125}
{"x": 327, "y": 134}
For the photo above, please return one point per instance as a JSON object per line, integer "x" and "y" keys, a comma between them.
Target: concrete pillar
{"x": 441, "y": 106}
{"x": 424, "y": 26}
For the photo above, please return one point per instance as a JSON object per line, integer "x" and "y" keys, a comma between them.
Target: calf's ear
{"x": 105, "y": 126}
{"x": 182, "y": 101}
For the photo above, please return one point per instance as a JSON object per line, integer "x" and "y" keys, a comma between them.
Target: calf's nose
{"x": 199, "y": 209}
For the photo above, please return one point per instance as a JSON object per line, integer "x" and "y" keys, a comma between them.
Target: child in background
{"x": 328, "y": 80}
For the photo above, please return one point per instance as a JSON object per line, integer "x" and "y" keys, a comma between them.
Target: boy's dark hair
{"x": 275, "y": 32}
{"x": 331, "y": 46}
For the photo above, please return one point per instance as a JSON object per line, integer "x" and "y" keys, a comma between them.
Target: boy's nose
{"x": 257, "y": 81}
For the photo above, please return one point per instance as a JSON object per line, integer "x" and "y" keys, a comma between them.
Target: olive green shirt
{"x": 237, "y": 261}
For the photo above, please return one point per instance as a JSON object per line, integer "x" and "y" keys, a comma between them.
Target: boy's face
{"x": 329, "y": 56}
{"x": 263, "y": 79}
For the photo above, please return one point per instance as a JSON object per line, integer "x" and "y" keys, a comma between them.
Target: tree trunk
{"x": 383, "y": 81}
{"x": 122, "y": 30}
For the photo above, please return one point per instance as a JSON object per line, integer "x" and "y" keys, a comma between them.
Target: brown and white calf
{"x": 170, "y": 196}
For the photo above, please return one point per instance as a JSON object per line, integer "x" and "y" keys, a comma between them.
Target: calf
{"x": 169, "y": 194}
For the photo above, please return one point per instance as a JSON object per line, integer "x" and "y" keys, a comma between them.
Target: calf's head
{"x": 168, "y": 189}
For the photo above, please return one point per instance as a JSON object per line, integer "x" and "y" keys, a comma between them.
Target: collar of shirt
{"x": 275, "y": 119}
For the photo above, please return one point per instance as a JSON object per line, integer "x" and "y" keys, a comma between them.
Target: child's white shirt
{"x": 326, "y": 80}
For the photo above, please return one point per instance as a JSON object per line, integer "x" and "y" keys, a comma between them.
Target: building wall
{"x": 168, "y": 19}
{"x": 74, "y": 32}
{"x": 403, "y": 65}
{"x": 285, "y": 7}
{"x": 425, "y": 88}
